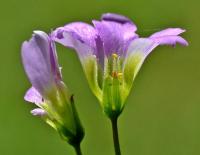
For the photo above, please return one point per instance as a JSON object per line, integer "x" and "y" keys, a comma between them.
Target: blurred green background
{"x": 162, "y": 115}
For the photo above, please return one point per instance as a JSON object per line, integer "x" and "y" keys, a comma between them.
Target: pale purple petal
{"x": 169, "y": 37}
{"x": 141, "y": 46}
{"x": 115, "y": 32}
{"x": 171, "y": 40}
{"x": 39, "y": 60}
{"x": 115, "y": 36}
{"x": 56, "y": 69}
{"x": 82, "y": 49}
{"x": 85, "y": 32}
{"x": 32, "y": 95}
{"x": 75, "y": 35}
{"x": 100, "y": 51}
{"x": 137, "y": 52}
{"x": 117, "y": 18}
{"x": 38, "y": 112}
{"x": 167, "y": 32}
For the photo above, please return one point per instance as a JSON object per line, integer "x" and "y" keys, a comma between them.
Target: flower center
{"x": 116, "y": 73}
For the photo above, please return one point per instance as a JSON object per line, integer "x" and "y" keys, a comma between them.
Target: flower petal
{"x": 38, "y": 112}
{"x": 115, "y": 36}
{"x": 75, "y": 35}
{"x": 117, "y": 18}
{"x": 39, "y": 60}
{"x": 100, "y": 55}
{"x": 169, "y": 37}
{"x": 32, "y": 95}
{"x": 138, "y": 50}
{"x": 82, "y": 37}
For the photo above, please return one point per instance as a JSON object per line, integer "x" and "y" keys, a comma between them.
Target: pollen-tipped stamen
{"x": 116, "y": 73}
{"x": 115, "y": 56}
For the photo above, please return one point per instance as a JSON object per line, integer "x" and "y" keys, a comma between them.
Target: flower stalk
{"x": 116, "y": 142}
{"x": 77, "y": 149}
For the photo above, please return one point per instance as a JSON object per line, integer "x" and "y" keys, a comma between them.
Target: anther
{"x": 114, "y": 55}
{"x": 117, "y": 74}
{"x": 114, "y": 74}
{"x": 120, "y": 74}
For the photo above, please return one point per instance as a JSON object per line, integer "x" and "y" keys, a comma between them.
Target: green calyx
{"x": 106, "y": 83}
{"x": 112, "y": 83}
{"x": 62, "y": 115}
{"x": 112, "y": 101}
{"x": 73, "y": 138}
{"x": 113, "y": 87}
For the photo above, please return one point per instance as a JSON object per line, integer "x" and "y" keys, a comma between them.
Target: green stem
{"x": 77, "y": 149}
{"x": 115, "y": 136}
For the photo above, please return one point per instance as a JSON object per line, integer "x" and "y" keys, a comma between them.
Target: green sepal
{"x": 63, "y": 131}
{"x": 62, "y": 114}
{"x": 112, "y": 103}
{"x": 78, "y": 134}
{"x": 79, "y": 128}
{"x": 59, "y": 108}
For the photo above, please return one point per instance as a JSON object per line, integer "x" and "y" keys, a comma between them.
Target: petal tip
{"x": 115, "y": 17}
{"x": 38, "y": 112}
{"x": 38, "y": 32}
{"x": 32, "y": 95}
{"x": 185, "y": 43}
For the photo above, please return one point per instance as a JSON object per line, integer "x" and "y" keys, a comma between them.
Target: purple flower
{"x": 112, "y": 53}
{"x": 48, "y": 91}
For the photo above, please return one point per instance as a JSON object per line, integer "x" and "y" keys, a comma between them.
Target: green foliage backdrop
{"x": 162, "y": 115}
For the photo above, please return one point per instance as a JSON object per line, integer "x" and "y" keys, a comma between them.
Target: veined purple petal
{"x": 33, "y": 96}
{"x": 137, "y": 52}
{"x": 169, "y": 37}
{"x": 141, "y": 46}
{"x": 76, "y": 33}
{"x": 171, "y": 40}
{"x": 40, "y": 61}
{"x": 56, "y": 69}
{"x": 100, "y": 51}
{"x": 115, "y": 31}
{"x": 168, "y": 32}
{"x": 117, "y": 18}
{"x": 115, "y": 36}
{"x": 38, "y": 112}
{"x": 83, "y": 50}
